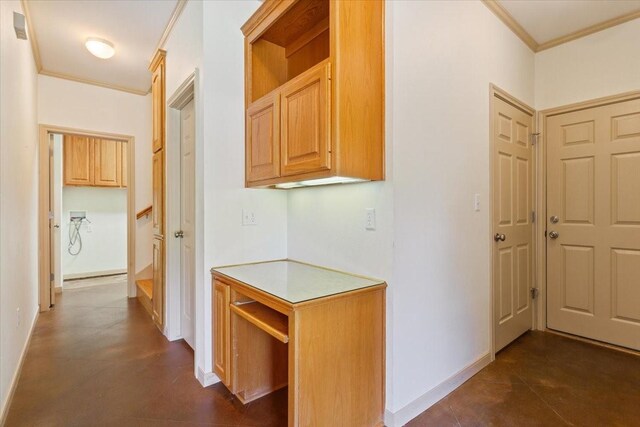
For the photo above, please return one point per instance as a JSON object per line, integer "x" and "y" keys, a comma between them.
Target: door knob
{"x": 179, "y": 234}
{"x": 499, "y": 237}
{"x": 554, "y": 234}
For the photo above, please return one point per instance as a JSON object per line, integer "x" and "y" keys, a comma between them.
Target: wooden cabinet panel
{"x": 263, "y": 139}
{"x": 108, "y": 162}
{"x": 305, "y": 122}
{"x": 124, "y": 176}
{"x": 157, "y": 300}
{"x": 78, "y": 160}
{"x": 221, "y": 332}
{"x": 157, "y": 213}
{"x": 157, "y": 99}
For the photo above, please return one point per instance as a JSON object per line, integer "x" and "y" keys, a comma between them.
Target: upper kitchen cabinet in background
{"x": 314, "y": 93}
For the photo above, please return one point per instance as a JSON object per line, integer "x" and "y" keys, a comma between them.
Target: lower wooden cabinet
{"x": 157, "y": 301}
{"x": 221, "y": 332}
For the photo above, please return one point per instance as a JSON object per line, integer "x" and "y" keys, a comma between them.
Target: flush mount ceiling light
{"x": 100, "y": 47}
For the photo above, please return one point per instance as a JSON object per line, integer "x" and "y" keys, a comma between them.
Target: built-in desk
{"x": 320, "y": 332}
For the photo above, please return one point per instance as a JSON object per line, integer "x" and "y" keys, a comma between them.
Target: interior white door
{"x": 593, "y": 223}
{"x": 187, "y": 219}
{"x": 512, "y": 221}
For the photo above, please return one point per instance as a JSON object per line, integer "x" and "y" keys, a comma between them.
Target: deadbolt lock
{"x": 554, "y": 219}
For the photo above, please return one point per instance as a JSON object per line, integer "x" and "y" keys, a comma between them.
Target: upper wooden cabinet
{"x": 96, "y": 162}
{"x": 108, "y": 163}
{"x": 78, "y": 160}
{"x": 157, "y": 99}
{"x": 314, "y": 91}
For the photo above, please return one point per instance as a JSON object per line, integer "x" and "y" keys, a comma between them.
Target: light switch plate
{"x": 370, "y": 219}
{"x": 248, "y": 217}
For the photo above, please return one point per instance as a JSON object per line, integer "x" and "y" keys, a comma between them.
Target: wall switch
{"x": 370, "y": 219}
{"x": 476, "y": 202}
{"x": 248, "y": 217}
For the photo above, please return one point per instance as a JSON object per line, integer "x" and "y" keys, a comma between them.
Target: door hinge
{"x": 534, "y": 293}
{"x": 51, "y": 277}
{"x": 533, "y": 216}
{"x": 534, "y": 138}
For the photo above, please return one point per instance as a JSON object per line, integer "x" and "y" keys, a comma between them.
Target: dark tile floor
{"x": 98, "y": 360}
{"x": 544, "y": 379}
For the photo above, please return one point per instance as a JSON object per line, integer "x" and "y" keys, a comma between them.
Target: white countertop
{"x": 294, "y": 281}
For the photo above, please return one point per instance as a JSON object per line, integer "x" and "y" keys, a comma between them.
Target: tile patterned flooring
{"x": 98, "y": 360}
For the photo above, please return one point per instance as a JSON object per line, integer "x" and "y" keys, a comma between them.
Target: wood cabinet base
{"x": 329, "y": 351}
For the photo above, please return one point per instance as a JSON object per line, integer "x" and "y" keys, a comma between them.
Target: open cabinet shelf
{"x": 314, "y": 92}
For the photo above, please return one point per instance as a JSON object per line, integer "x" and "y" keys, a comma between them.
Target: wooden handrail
{"x": 144, "y": 212}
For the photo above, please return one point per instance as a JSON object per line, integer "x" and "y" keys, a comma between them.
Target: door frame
{"x": 541, "y": 317}
{"x": 44, "y": 188}
{"x": 187, "y": 91}
{"x": 497, "y": 92}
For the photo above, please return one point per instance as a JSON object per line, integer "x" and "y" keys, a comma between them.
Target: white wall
{"x": 226, "y": 240}
{"x": 601, "y": 64}
{"x": 438, "y": 77}
{"x": 86, "y": 107}
{"x": 104, "y": 239}
{"x": 18, "y": 197}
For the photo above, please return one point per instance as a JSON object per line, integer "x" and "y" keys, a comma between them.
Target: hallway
{"x": 97, "y": 359}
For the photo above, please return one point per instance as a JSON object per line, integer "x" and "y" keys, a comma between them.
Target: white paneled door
{"x": 512, "y": 237}
{"x": 187, "y": 219}
{"x": 593, "y": 223}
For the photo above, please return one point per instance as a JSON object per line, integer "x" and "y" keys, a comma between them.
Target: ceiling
{"x": 135, "y": 27}
{"x": 546, "y": 21}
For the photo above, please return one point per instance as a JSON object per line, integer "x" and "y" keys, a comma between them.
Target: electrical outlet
{"x": 18, "y": 317}
{"x": 370, "y": 219}
{"x": 248, "y": 217}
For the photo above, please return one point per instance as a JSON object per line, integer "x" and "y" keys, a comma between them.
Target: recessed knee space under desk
{"x": 318, "y": 331}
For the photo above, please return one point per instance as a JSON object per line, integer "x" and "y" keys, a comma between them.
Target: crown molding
{"x": 177, "y": 11}
{"x": 92, "y": 82}
{"x": 589, "y": 30}
{"x": 510, "y": 22}
{"x": 498, "y": 10}
{"x": 32, "y": 35}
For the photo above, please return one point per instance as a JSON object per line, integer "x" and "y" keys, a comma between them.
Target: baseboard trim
{"x": 76, "y": 276}
{"x": 207, "y": 378}
{"x": 424, "y": 402}
{"x": 16, "y": 376}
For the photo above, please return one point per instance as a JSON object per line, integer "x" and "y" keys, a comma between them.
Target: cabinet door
{"x": 157, "y": 298}
{"x": 158, "y": 193}
{"x": 157, "y": 100}
{"x": 78, "y": 160}
{"x": 108, "y": 163}
{"x": 221, "y": 332}
{"x": 305, "y": 122}
{"x": 263, "y": 139}
{"x": 124, "y": 176}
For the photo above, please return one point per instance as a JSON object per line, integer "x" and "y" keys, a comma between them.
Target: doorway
{"x": 185, "y": 264}
{"x": 86, "y": 193}
{"x": 512, "y": 199}
{"x": 593, "y": 219}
